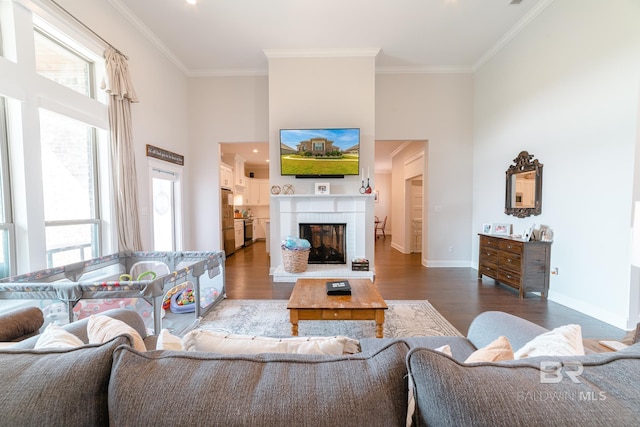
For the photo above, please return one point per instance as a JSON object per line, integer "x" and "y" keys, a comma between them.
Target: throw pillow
{"x": 562, "y": 341}
{"x": 167, "y": 341}
{"x": 497, "y": 351}
{"x": 55, "y": 336}
{"x": 223, "y": 343}
{"x": 446, "y": 349}
{"x": 101, "y": 329}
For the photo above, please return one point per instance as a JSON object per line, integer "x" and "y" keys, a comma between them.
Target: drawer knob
{"x": 335, "y": 314}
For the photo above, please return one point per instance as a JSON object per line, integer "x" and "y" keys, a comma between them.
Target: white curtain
{"x": 121, "y": 94}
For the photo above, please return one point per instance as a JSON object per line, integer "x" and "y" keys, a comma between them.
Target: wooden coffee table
{"x": 309, "y": 301}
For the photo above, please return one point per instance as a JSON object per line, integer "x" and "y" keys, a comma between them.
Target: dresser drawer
{"x": 509, "y": 277}
{"x": 488, "y": 255}
{"x": 510, "y": 260}
{"x": 489, "y": 242}
{"x": 490, "y": 270}
{"x": 511, "y": 246}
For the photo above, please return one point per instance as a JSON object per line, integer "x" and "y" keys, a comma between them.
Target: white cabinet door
{"x": 226, "y": 177}
{"x": 238, "y": 172}
{"x": 238, "y": 227}
{"x": 263, "y": 192}
{"x": 251, "y": 197}
{"x": 260, "y": 231}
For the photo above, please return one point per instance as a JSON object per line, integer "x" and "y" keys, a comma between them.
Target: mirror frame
{"x": 524, "y": 163}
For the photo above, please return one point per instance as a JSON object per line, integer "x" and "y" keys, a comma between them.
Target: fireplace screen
{"x": 328, "y": 242}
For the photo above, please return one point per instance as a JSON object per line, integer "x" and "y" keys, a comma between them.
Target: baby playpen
{"x": 171, "y": 290}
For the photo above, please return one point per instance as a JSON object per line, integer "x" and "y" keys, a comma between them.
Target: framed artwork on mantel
{"x": 323, "y": 188}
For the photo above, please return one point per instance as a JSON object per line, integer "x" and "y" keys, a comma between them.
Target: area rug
{"x": 404, "y": 318}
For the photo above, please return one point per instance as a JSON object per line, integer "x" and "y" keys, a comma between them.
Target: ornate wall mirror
{"x": 524, "y": 187}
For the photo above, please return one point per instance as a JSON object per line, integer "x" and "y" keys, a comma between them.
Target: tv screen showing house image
{"x": 320, "y": 152}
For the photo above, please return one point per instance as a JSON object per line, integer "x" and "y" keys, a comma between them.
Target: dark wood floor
{"x": 455, "y": 292}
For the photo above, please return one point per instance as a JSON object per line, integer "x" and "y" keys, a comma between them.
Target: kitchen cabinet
{"x": 516, "y": 263}
{"x": 226, "y": 176}
{"x": 238, "y": 172}
{"x": 238, "y": 228}
{"x": 257, "y": 192}
{"x": 260, "y": 231}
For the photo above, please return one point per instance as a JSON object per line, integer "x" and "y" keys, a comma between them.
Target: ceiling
{"x": 229, "y": 37}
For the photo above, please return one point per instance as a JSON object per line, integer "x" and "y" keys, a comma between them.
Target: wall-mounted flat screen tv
{"x": 310, "y": 153}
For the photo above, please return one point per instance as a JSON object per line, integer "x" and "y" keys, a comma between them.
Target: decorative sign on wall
{"x": 167, "y": 156}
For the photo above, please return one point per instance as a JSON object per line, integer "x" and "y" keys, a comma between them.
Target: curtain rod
{"x": 88, "y": 29}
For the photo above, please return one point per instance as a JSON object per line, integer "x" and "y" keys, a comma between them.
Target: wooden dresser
{"x": 513, "y": 262}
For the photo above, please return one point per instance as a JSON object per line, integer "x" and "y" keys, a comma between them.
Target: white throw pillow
{"x": 166, "y": 341}
{"x": 55, "y": 336}
{"x": 562, "y": 341}
{"x": 101, "y": 329}
{"x": 223, "y": 343}
{"x": 497, "y": 351}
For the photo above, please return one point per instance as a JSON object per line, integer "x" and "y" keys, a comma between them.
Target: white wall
{"x": 437, "y": 108}
{"x": 221, "y": 109}
{"x": 566, "y": 90}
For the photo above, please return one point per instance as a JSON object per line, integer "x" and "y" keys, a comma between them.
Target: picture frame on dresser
{"x": 486, "y": 228}
{"x": 501, "y": 229}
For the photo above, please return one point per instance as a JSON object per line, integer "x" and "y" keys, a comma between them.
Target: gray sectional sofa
{"x": 112, "y": 384}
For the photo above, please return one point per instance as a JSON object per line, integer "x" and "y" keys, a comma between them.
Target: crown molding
{"x": 321, "y": 53}
{"x": 512, "y": 33}
{"x": 146, "y": 32}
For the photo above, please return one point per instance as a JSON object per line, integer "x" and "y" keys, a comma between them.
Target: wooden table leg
{"x": 293, "y": 316}
{"x": 379, "y": 323}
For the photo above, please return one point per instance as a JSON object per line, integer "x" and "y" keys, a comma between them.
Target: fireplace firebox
{"x": 328, "y": 242}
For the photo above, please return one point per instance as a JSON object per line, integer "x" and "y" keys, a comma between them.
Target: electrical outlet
{"x": 554, "y": 271}
{"x": 450, "y": 248}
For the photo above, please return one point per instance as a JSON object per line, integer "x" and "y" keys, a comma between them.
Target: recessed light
{"x": 192, "y": 1}
{"x": 255, "y": 150}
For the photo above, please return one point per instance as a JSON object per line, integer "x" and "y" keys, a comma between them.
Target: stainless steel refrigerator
{"x": 228, "y": 233}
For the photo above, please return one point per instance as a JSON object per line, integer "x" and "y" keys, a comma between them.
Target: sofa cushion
{"x": 266, "y": 389}
{"x": 519, "y": 393}
{"x": 224, "y": 343}
{"x": 56, "y": 387}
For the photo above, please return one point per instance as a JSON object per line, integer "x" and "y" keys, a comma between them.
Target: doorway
{"x": 415, "y": 213}
{"x": 165, "y": 212}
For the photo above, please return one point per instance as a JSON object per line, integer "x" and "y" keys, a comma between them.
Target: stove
{"x": 248, "y": 231}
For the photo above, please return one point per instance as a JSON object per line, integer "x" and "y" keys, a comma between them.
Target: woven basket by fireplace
{"x": 295, "y": 260}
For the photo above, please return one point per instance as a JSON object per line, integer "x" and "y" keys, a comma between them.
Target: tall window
{"x": 7, "y": 236}
{"x": 70, "y": 186}
{"x": 69, "y": 160}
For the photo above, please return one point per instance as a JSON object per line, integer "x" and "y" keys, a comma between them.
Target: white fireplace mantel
{"x": 355, "y": 210}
